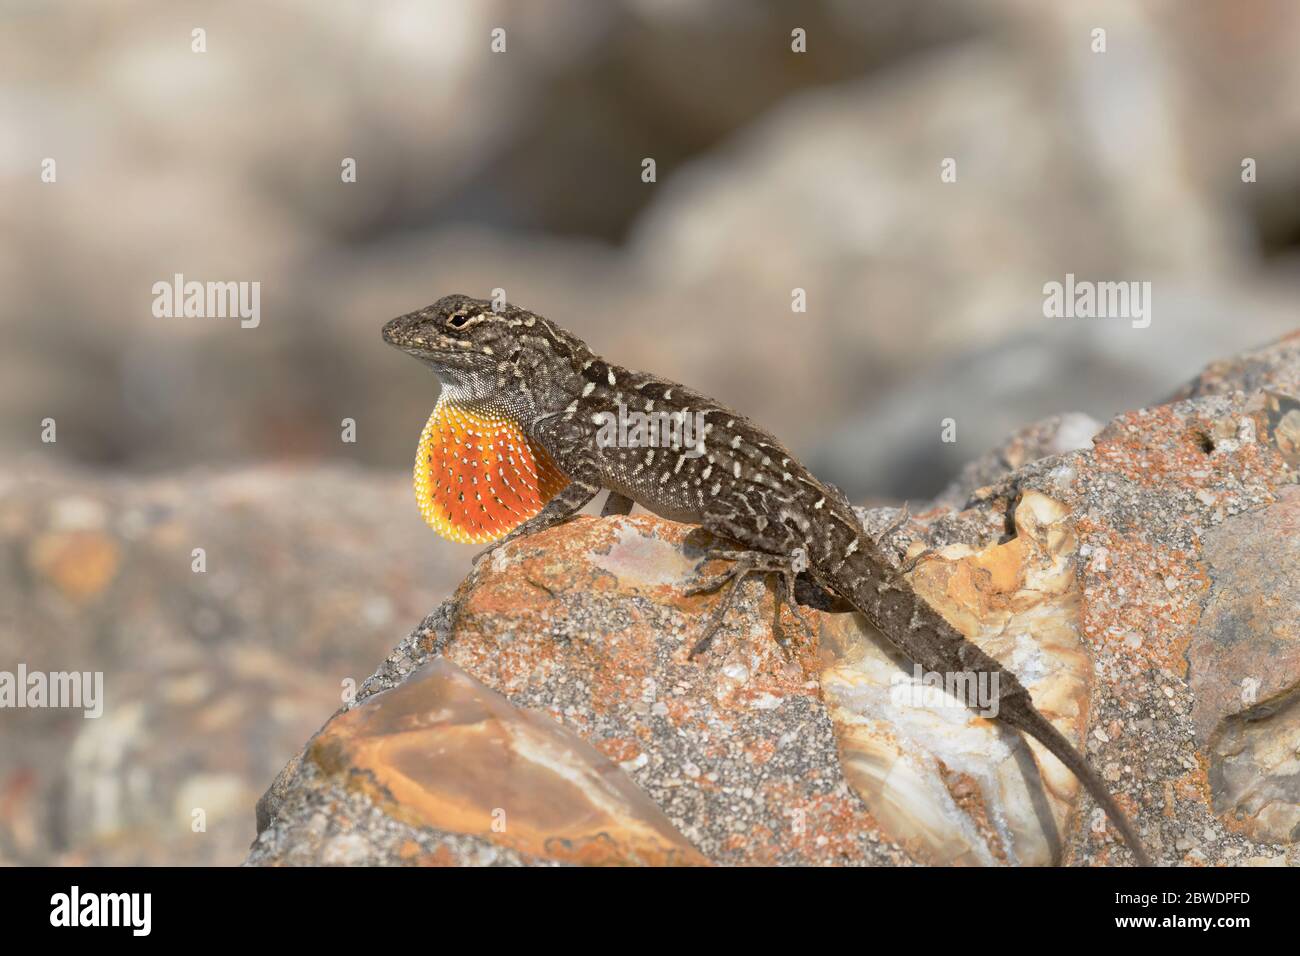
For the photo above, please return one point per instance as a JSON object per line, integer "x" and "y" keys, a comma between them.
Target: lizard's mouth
{"x": 451, "y": 360}
{"x": 441, "y": 355}
{"x": 401, "y": 334}
{"x": 455, "y": 361}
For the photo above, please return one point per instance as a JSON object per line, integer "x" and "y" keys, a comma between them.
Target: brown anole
{"x": 520, "y": 441}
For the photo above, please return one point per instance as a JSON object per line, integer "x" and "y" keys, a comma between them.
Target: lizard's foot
{"x": 787, "y": 576}
{"x": 745, "y": 564}
{"x": 908, "y": 566}
{"x": 485, "y": 552}
{"x": 904, "y": 516}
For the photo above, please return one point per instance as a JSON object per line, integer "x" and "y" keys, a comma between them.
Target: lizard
{"x": 513, "y": 447}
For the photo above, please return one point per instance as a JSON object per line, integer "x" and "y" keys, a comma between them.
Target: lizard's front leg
{"x": 785, "y": 567}
{"x": 572, "y": 499}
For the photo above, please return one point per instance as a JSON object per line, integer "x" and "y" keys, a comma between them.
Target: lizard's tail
{"x": 1015, "y": 711}
{"x": 926, "y": 637}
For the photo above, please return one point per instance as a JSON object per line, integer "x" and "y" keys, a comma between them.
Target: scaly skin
{"x": 744, "y": 487}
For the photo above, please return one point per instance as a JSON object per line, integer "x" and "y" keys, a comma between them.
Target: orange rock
{"x": 443, "y": 751}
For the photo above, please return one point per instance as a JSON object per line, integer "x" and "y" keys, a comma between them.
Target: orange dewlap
{"x": 478, "y": 476}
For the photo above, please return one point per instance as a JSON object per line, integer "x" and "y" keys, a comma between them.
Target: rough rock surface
{"x": 1145, "y": 589}
{"x": 211, "y": 678}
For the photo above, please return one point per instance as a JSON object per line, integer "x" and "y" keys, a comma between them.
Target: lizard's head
{"x": 485, "y": 354}
{"x": 479, "y": 470}
{"x": 460, "y": 338}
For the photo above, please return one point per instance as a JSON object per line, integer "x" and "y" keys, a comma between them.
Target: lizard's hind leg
{"x": 786, "y": 567}
{"x": 787, "y": 576}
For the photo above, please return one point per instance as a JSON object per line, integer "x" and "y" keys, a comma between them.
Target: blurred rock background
{"x": 522, "y": 170}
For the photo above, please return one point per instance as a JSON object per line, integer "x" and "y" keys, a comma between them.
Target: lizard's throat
{"x": 477, "y": 475}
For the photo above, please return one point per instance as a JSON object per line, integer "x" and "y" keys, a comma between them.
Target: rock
{"x": 1243, "y": 658}
{"x": 586, "y": 624}
{"x": 449, "y": 754}
{"x": 1115, "y": 580}
{"x": 211, "y": 679}
{"x": 1052, "y": 436}
{"x": 955, "y": 786}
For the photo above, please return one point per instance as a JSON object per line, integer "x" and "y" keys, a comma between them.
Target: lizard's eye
{"x": 458, "y": 321}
